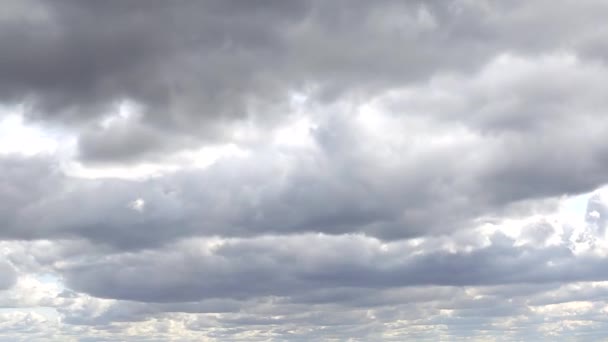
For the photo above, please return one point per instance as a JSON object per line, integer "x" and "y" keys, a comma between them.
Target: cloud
{"x": 197, "y": 70}
{"x": 284, "y": 266}
{"x": 8, "y": 276}
{"x": 366, "y": 169}
{"x": 311, "y": 170}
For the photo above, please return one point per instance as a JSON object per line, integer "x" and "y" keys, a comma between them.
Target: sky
{"x": 311, "y": 170}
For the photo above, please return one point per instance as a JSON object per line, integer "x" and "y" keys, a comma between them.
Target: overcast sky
{"x": 310, "y": 170}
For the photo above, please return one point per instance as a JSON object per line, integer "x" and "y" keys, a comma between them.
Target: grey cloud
{"x": 475, "y": 312}
{"x": 284, "y": 266}
{"x": 512, "y": 94}
{"x": 125, "y": 141}
{"x": 183, "y": 62}
{"x": 597, "y": 214}
{"x": 343, "y": 185}
{"x": 187, "y": 204}
{"x": 479, "y": 112}
{"x": 198, "y": 67}
{"x": 8, "y": 275}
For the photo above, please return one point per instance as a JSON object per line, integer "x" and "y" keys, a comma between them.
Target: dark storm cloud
{"x": 196, "y": 68}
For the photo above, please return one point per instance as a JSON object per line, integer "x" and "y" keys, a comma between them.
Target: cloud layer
{"x": 296, "y": 171}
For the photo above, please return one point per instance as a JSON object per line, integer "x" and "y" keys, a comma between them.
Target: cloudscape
{"x": 310, "y": 170}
